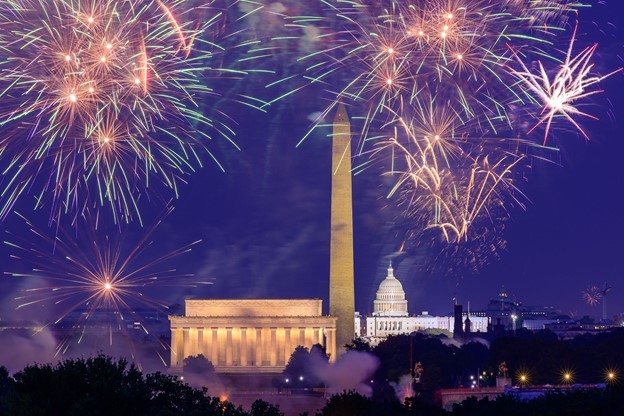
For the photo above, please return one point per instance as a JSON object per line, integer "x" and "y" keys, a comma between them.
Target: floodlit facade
{"x": 391, "y": 317}
{"x": 249, "y": 335}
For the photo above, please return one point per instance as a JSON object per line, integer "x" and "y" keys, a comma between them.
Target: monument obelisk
{"x": 341, "y": 275}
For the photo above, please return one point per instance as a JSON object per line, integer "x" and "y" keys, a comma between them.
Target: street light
{"x": 513, "y": 320}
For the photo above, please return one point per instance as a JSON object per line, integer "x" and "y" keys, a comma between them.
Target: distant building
{"x": 390, "y": 316}
{"x": 506, "y": 311}
{"x": 570, "y": 329}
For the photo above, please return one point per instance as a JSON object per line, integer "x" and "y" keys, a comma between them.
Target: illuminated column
{"x": 236, "y": 346}
{"x": 331, "y": 344}
{"x": 258, "y": 346}
{"x": 251, "y": 341}
{"x": 207, "y": 343}
{"x": 177, "y": 349}
{"x": 287, "y": 345}
{"x": 341, "y": 274}
{"x": 302, "y": 337}
{"x": 228, "y": 346}
{"x": 193, "y": 342}
{"x": 279, "y": 350}
{"x": 273, "y": 347}
{"x": 308, "y": 337}
{"x": 315, "y": 336}
{"x": 243, "y": 347}
{"x": 201, "y": 349}
{"x": 266, "y": 346}
{"x": 214, "y": 355}
{"x": 185, "y": 348}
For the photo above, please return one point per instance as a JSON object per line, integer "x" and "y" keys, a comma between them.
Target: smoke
{"x": 20, "y": 347}
{"x": 402, "y": 388}
{"x": 351, "y": 371}
{"x": 216, "y": 386}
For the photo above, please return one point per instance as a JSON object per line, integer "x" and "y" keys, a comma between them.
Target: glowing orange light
{"x": 109, "y": 46}
{"x": 91, "y": 89}
{"x": 103, "y": 59}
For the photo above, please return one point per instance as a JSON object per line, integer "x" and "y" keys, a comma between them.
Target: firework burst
{"x": 102, "y": 99}
{"x": 456, "y": 190}
{"x": 98, "y": 274}
{"x": 559, "y": 94}
{"x": 592, "y": 295}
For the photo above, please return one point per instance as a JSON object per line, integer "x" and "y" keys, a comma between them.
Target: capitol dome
{"x": 390, "y": 299}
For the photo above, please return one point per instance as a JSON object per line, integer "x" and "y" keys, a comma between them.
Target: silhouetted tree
{"x": 301, "y": 370}
{"x": 198, "y": 364}
{"x": 100, "y": 386}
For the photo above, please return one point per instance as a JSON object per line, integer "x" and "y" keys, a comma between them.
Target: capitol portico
{"x": 249, "y": 335}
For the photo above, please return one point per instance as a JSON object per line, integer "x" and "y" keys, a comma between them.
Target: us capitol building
{"x": 390, "y": 316}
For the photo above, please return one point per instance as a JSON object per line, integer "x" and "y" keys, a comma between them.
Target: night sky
{"x": 264, "y": 223}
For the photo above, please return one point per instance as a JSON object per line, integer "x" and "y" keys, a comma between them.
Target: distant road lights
{"x": 514, "y": 317}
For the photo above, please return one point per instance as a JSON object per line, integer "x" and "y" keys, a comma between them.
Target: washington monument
{"x": 341, "y": 280}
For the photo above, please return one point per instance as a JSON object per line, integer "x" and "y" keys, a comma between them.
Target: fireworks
{"x": 455, "y": 194}
{"x": 445, "y": 72}
{"x": 97, "y": 273}
{"x": 592, "y": 295}
{"x": 386, "y": 55}
{"x": 572, "y": 82}
{"x": 102, "y": 99}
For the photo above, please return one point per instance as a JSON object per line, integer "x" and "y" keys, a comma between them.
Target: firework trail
{"x": 97, "y": 272}
{"x": 101, "y": 99}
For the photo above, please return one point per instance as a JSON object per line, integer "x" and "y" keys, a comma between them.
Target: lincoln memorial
{"x": 249, "y": 335}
